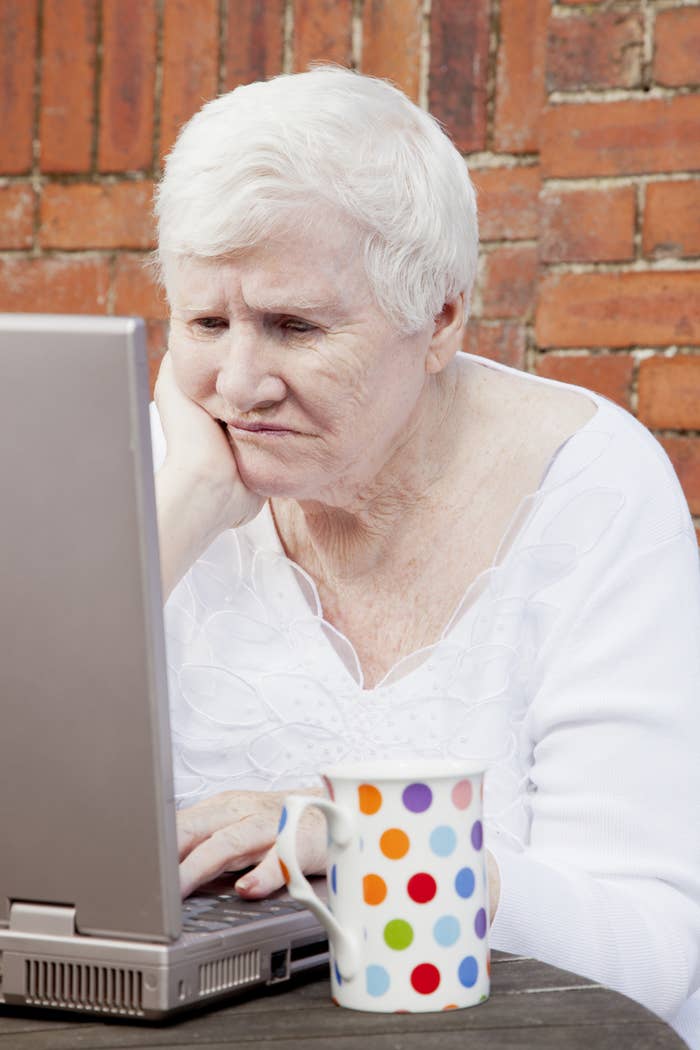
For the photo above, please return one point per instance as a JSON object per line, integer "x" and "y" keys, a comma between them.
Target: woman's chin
{"x": 274, "y": 483}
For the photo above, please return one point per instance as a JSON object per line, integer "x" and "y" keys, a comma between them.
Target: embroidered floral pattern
{"x": 264, "y": 691}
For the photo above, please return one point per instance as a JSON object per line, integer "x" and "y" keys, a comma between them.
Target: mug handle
{"x": 346, "y": 948}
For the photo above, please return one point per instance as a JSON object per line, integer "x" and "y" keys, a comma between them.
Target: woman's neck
{"x": 354, "y": 533}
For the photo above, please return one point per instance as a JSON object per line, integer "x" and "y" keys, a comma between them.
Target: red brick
{"x": 18, "y": 28}
{"x": 508, "y": 202}
{"x": 669, "y": 392}
{"x": 90, "y": 216}
{"x": 619, "y": 309}
{"x": 684, "y": 453}
{"x": 16, "y": 216}
{"x": 621, "y": 138}
{"x": 322, "y": 32}
{"x": 135, "y": 289}
{"x": 391, "y": 39}
{"x": 69, "y": 42}
{"x": 52, "y": 284}
{"x": 128, "y": 83}
{"x": 572, "y": 3}
{"x": 520, "y": 74}
{"x": 508, "y": 281}
{"x": 677, "y": 47}
{"x": 459, "y": 51}
{"x": 502, "y": 341}
{"x": 254, "y": 40}
{"x": 609, "y": 374}
{"x": 672, "y": 218}
{"x": 595, "y": 50}
{"x": 190, "y": 63}
{"x": 587, "y": 224}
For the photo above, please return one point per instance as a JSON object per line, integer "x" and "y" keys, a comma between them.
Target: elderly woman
{"x": 376, "y": 545}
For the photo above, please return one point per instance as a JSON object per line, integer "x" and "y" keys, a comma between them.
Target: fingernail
{"x": 248, "y": 882}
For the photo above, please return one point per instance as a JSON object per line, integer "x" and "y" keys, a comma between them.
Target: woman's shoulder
{"x": 600, "y": 453}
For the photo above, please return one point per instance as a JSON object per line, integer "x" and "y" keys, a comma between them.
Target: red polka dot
{"x": 421, "y": 887}
{"x": 425, "y": 978}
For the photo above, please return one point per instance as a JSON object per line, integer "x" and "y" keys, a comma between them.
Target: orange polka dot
{"x": 283, "y": 869}
{"x": 394, "y": 843}
{"x": 451, "y": 1006}
{"x": 370, "y": 798}
{"x": 373, "y": 889}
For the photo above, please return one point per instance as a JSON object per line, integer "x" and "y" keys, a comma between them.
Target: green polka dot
{"x": 398, "y": 934}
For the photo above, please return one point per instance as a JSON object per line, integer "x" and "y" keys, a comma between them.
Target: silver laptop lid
{"x": 86, "y": 798}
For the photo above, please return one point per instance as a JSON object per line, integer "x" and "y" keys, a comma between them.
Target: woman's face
{"x": 286, "y": 346}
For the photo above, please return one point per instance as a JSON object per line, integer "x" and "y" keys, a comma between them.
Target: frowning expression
{"x": 286, "y": 345}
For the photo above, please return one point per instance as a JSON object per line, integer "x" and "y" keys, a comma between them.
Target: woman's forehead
{"x": 313, "y": 272}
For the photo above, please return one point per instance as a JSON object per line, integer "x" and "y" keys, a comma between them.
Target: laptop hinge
{"x": 51, "y": 920}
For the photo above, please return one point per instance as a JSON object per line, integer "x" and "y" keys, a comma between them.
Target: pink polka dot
{"x": 462, "y": 794}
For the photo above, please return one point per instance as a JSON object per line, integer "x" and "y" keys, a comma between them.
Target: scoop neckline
{"x": 522, "y": 510}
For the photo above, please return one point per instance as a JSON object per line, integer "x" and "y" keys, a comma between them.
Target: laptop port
{"x": 279, "y": 965}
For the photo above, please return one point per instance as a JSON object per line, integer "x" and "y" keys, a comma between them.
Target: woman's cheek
{"x": 192, "y": 374}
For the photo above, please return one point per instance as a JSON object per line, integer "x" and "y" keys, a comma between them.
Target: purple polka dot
{"x": 480, "y": 923}
{"x": 477, "y": 835}
{"x": 417, "y": 797}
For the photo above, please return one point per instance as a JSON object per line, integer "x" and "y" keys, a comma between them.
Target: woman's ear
{"x": 447, "y": 335}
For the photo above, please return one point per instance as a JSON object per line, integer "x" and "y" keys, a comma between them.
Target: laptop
{"x": 91, "y": 918}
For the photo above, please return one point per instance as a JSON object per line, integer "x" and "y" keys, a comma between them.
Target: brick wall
{"x": 580, "y": 120}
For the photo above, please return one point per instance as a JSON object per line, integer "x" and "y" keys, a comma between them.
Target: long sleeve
{"x": 609, "y": 884}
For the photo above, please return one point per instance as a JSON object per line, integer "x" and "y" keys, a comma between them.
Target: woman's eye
{"x": 295, "y": 324}
{"x": 211, "y": 324}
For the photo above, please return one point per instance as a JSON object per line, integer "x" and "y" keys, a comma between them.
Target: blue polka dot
{"x": 446, "y": 931}
{"x": 468, "y": 971}
{"x": 477, "y": 835}
{"x": 443, "y": 840}
{"x": 480, "y": 923}
{"x": 334, "y": 878}
{"x": 465, "y": 882}
{"x": 377, "y": 980}
{"x": 338, "y": 978}
{"x": 283, "y": 819}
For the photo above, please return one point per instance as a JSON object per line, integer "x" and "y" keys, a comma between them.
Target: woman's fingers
{"x": 230, "y": 848}
{"x": 262, "y": 880}
{"x": 236, "y": 829}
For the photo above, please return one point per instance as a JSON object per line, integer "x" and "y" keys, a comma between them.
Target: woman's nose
{"x": 246, "y": 381}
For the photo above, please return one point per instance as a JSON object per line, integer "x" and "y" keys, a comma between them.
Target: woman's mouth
{"x": 264, "y": 429}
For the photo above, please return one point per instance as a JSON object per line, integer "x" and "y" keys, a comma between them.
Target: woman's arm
{"x": 609, "y": 885}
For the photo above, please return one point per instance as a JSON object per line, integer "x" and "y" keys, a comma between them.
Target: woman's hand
{"x": 199, "y": 491}
{"x": 235, "y": 829}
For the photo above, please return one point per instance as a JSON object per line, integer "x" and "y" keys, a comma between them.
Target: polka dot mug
{"x": 407, "y": 914}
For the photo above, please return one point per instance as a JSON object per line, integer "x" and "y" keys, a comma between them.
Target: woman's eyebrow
{"x": 292, "y": 304}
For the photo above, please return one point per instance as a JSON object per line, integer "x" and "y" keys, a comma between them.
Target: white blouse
{"x": 570, "y": 668}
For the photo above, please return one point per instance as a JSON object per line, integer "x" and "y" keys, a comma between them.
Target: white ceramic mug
{"x": 407, "y": 914}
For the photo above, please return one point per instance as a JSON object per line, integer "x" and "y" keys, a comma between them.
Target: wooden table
{"x": 532, "y": 1007}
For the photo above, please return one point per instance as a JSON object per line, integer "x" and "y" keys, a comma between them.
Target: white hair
{"x": 264, "y": 156}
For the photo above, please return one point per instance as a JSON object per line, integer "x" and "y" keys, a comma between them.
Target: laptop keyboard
{"x": 206, "y": 913}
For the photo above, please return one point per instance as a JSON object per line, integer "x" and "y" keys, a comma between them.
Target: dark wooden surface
{"x": 532, "y": 1007}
